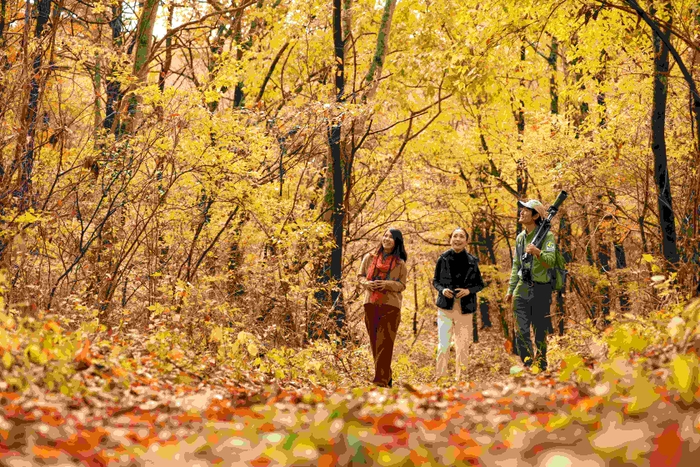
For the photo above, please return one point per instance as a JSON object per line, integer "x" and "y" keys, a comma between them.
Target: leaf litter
{"x": 591, "y": 416}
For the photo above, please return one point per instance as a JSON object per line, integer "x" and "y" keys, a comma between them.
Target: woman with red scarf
{"x": 383, "y": 276}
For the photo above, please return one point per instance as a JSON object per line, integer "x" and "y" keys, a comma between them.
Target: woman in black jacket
{"x": 457, "y": 280}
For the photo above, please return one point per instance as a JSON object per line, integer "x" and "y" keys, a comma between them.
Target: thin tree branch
{"x": 270, "y": 71}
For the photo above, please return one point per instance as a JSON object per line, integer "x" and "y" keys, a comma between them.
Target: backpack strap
{"x": 520, "y": 244}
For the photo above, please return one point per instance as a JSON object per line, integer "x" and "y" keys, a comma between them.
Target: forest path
{"x": 496, "y": 420}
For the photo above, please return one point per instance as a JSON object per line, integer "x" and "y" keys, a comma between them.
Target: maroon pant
{"x": 382, "y": 322}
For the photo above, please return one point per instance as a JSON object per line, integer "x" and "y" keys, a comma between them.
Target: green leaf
{"x": 684, "y": 371}
{"x": 217, "y": 334}
{"x": 7, "y": 360}
{"x": 643, "y": 394}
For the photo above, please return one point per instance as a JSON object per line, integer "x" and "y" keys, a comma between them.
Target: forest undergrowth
{"x": 94, "y": 395}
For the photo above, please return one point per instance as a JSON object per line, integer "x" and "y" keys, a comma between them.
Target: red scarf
{"x": 381, "y": 265}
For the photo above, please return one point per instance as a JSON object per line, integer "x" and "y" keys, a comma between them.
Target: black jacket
{"x": 457, "y": 271}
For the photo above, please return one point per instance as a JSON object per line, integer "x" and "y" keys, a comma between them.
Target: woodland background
{"x": 194, "y": 183}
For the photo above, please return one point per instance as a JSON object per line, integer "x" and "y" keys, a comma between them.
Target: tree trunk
{"x": 357, "y": 130}
{"x": 665, "y": 37}
{"x": 144, "y": 36}
{"x": 337, "y": 182}
{"x": 97, "y": 84}
{"x": 591, "y": 306}
{"x": 520, "y": 117}
{"x": 3, "y": 14}
{"x": 603, "y": 263}
{"x": 658, "y": 147}
{"x": 600, "y": 97}
{"x": 32, "y": 110}
{"x": 553, "y": 91}
{"x": 375, "y": 69}
{"x": 114, "y": 95}
{"x": 167, "y": 63}
{"x": 621, "y": 263}
{"x": 564, "y": 246}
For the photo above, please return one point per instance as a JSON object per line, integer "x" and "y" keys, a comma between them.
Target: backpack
{"x": 557, "y": 273}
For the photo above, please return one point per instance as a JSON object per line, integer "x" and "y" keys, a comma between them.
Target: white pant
{"x": 463, "y": 326}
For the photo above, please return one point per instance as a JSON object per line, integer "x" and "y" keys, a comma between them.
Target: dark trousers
{"x": 382, "y": 322}
{"x": 533, "y": 312}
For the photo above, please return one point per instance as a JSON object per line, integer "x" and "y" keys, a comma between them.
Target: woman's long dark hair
{"x": 399, "y": 248}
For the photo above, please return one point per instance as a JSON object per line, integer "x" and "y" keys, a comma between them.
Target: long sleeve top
{"x": 396, "y": 285}
{"x": 540, "y": 265}
{"x": 457, "y": 271}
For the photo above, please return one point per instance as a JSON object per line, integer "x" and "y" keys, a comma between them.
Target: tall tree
{"x": 658, "y": 147}
{"x": 337, "y": 182}
{"x": 553, "y": 90}
{"x": 43, "y": 8}
{"x": 564, "y": 245}
{"x": 113, "y": 84}
{"x": 662, "y": 47}
{"x": 143, "y": 52}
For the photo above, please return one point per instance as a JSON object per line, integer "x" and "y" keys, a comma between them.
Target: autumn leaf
{"x": 83, "y": 356}
{"x": 668, "y": 447}
{"x": 46, "y": 452}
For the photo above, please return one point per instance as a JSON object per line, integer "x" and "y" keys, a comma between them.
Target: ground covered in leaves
{"x": 631, "y": 399}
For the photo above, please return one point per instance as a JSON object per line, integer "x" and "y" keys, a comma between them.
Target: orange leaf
{"x": 267, "y": 428}
{"x": 84, "y": 354}
{"x": 668, "y": 449}
{"x": 46, "y": 452}
{"x": 509, "y": 346}
{"x": 327, "y": 460}
{"x": 53, "y": 419}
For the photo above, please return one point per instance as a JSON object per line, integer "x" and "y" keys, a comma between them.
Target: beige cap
{"x": 536, "y": 205}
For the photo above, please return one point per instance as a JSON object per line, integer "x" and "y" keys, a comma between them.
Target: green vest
{"x": 539, "y": 272}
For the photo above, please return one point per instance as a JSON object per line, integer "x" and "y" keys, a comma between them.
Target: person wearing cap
{"x": 531, "y": 303}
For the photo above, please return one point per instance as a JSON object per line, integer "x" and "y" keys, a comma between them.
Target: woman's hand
{"x": 462, "y": 293}
{"x": 375, "y": 285}
{"x": 448, "y": 293}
